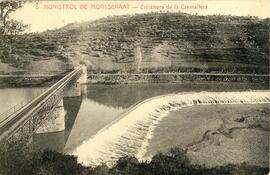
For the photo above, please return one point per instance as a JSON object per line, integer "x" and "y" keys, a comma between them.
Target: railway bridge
{"x": 45, "y": 113}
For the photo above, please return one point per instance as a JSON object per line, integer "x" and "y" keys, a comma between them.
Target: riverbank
{"x": 40, "y": 79}
{"x": 176, "y": 78}
{"x": 28, "y": 81}
{"x": 34, "y": 74}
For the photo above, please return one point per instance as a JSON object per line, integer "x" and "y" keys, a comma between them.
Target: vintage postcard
{"x": 134, "y": 87}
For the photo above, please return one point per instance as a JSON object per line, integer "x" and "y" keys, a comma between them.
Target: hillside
{"x": 155, "y": 42}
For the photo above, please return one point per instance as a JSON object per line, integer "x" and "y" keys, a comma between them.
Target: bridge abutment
{"x": 56, "y": 121}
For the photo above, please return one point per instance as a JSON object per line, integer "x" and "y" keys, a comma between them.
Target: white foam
{"x": 131, "y": 134}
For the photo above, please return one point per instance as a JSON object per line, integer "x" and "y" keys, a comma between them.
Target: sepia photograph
{"x": 165, "y": 87}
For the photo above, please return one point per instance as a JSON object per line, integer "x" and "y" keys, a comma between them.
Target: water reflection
{"x": 10, "y": 97}
{"x": 91, "y": 118}
{"x": 56, "y": 141}
{"x": 127, "y": 95}
{"x": 100, "y": 105}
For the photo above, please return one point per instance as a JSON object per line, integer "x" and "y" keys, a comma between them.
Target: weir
{"x": 129, "y": 135}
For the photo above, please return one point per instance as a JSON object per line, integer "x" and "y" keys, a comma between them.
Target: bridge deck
{"x": 16, "y": 120}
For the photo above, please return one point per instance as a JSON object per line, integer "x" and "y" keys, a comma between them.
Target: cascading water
{"x": 130, "y": 135}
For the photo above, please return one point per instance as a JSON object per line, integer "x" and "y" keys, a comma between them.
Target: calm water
{"x": 99, "y": 106}
{"x": 16, "y": 97}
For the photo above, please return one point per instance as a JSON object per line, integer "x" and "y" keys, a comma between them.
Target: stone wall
{"x": 174, "y": 78}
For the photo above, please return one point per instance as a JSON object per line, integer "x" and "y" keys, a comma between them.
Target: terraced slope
{"x": 157, "y": 42}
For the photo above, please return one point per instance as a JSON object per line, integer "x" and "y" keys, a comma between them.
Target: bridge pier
{"x": 84, "y": 92}
{"x": 74, "y": 91}
{"x": 45, "y": 114}
{"x": 83, "y": 77}
{"x": 56, "y": 121}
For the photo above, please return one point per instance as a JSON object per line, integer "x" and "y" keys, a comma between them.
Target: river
{"x": 100, "y": 106}
{"x": 13, "y": 98}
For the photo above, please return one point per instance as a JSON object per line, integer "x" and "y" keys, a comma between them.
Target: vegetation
{"x": 10, "y": 29}
{"x": 169, "y": 42}
{"x": 175, "y": 162}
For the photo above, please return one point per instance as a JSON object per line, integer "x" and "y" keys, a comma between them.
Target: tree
{"x": 9, "y": 28}
{"x": 13, "y": 29}
{"x": 6, "y": 8}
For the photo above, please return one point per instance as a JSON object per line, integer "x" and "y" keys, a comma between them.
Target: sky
{"x": 46, "y": 15}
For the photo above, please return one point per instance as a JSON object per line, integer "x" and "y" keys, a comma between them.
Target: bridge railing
{"x": 15, "y": 120}
{"x": 5, "y": 115}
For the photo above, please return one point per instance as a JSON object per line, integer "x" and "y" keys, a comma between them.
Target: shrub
{"x": 175, "y": 162}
